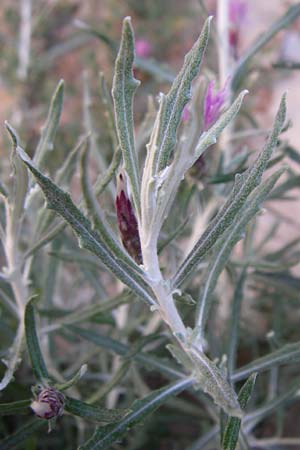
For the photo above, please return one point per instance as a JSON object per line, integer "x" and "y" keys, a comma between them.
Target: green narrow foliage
{"x": 115, "y": 379}
{"x": 88, "y": 312}
{"x": 124, "y": 87}
{"x": 119, "y": 348}
{"x": 225, "y": 245}
{"x": 61, "y": 202}
{"x": 287, "y": 354}
{"x": 243, "y": 186}
{"x": 184, "y": 161}
{"x": 163, "y": 138}
{"x": 211, "y": 380}
{"x": 18, "y": 439}
{"x": 74, "y": 380}
{"x": 282, "y": 189}
{"x": 104, "y": 179}
{"x": 292, "y": 394}
{"x": 48, "y": 133}
{"x": 20, "y": 407}
{"x": 234, "y": 321}
{"x": 94, "y": 413}
{"x": 14, "y": 357}
{"x": 37, "y": 361}
{"x": 98, "y": 218}
{"x": 20, "y": 185}
{"x": 104, "y": 437}
{"x": 232, "y": 429}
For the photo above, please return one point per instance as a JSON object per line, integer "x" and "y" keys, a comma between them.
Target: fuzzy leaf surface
{"x": 124, "y": 87}
{"x": 61, "y": 202}
{"x": 243, "y": 186}
{"x": 104, "y": 437}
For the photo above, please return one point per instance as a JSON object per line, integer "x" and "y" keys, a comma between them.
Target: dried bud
{"x": 48, "y": 404}
{"x": 127, "y": 222}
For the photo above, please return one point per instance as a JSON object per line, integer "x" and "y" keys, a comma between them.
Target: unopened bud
{"x": 127, "y": 223}
{"x": 48, "y": 404}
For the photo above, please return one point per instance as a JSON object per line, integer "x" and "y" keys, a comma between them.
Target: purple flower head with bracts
{"x": 143, "y": 48}
{"x": 127, "y": 223}
{"x": 213, "y": 103}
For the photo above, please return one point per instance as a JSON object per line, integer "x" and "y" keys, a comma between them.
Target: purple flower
{"x": 143, "y": 48}
{"x": 237, "y": 14}
{"x": 237, "y": 11}
{"x": 127, "y": 223}
{"x": 49, "y": 404}
{"x": 213, "y": 102}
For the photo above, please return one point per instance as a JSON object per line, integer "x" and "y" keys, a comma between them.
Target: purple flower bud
{"x": 143, "y": 48}
{"x": 49, "y": 404}
{"x": 237, "y": 11}
{"x": 213, "y": 103}
{"x": 237, "y": 14}
{"x": 128, "y": 226}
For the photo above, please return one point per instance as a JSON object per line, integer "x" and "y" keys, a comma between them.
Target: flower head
{"x": 48, "y": 404}
{"x": 127, "y": 222}
{"x": 213, "y": 102}
{"x": 143, "y": 48}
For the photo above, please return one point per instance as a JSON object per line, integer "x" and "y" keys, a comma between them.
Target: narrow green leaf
{"x": 119, "y": 348}
{"x": 20, "y": 178}
{"x": 211, "y": 380}
{"x": 18, "y": 439}
{"x": 226, "y": 243}
{"x": 20, "y": 407}
{"x": 114, "y": 380}
{"x": 232, "y": 430}
{"x": 184, "y": 160}
{"x": 13, "y": 358}
{"x": 94, "y": 413}
{"x": 124, "y": 87}
{"x": 161, "y": 72}
{"x": 104, "y": 179}
{"x": 292, "y": 13}
{"x": 243, "y": 186}
{"x": 164, "y": 137}
{"x": 48, "y": 133}
{"x": 37, "y": 361}
{"x": 233, "y": 328}
{"x": 269, "y": 407}
{"x": 98, "y": 218}
{"x": 287, "y": 354}
{"x": 64, "y": 173}
{"x": 104, "y": 437}
{"x": 291, "y": 183}
{"x": 88, "y": 312}
{"x": 74, "y": 380}
{"x": 108, "y": 113}
{"x": 61, "y": 202}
